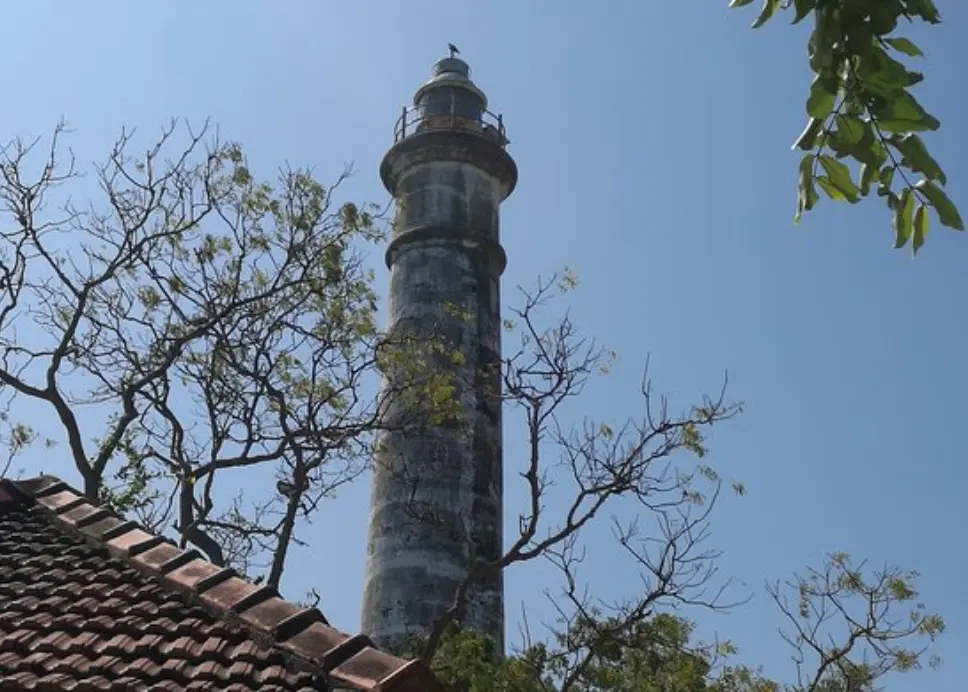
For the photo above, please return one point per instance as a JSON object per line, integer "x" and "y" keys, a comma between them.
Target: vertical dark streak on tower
{"x": 449, "y": 172}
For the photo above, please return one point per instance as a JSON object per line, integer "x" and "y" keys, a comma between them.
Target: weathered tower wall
{"x": 436, "y": 507}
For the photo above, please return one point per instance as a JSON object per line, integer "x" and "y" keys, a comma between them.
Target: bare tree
{"x": 642, "y": 464}
{"x": 207, "y": 322}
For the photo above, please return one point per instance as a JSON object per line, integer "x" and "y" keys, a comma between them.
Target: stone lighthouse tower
{"x": 436, "y": 508}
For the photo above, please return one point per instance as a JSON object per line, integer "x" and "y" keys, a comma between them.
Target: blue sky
{"x": 653, "y": 146}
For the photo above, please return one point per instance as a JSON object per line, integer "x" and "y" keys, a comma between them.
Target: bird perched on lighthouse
{"x": 453, "y": 49}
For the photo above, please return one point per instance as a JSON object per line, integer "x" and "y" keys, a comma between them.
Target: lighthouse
{"x": 436, "y": 507}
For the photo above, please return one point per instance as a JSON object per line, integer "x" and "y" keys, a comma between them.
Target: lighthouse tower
{"x": 436, "y": 507}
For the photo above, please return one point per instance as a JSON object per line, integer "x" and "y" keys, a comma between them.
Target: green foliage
{"x": 133, "y": 492}
{"x": 420, "y": 373}
{"x": 16, "y": 437}
{"x": 651, "y": 658}
{"x": 467, "y": 661}
{"x": 860, "y": 109}
{"x": 655, "y": 655}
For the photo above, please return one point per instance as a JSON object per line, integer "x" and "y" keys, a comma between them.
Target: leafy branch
{"x": 860, "y": 108}
{"x": 852, "y": 626}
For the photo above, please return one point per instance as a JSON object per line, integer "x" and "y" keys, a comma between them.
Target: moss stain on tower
{"x": 449, "y": 172}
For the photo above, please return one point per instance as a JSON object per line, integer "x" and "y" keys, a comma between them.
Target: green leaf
{"x": 822, "y": 98}
{"x": 905, "y": 46}
{"x": 926, "y": 9}
{"x": 899, "y": 106}
{"x": 914, "y": 78}
{"x": 884, "y": 14}
{"x": 839, "y": 176}
{"x": 851, "y": 128}
{"x": 926, "y": 123}
{"x": 870, "y": 149}
{"x": 769, "y": 7}
{"x": 803, "y": 8}
{"x": 856, "y": 138}
{"x": 884, "y": 179}
{"x": 884, "y": 76}
{"x": 739, "y": 3}
{"x": 873, "y": 153}
{"x": 808, "y": 137}
{"x": 886, "y": 175}
{"x": 943, "y": 206}
{"x": 917, "y": 157}
{"x": 867, "y": 173}
{"x": 832, "y": 191}
{"x": 920, "y": 228}
{"x": 903, "y": 211}
{"x": 806, "y": 193}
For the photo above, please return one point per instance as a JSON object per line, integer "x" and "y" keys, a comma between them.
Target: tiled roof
{"x": 91, "y": 602}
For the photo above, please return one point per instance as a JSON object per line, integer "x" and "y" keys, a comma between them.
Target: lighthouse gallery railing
{"x": 413, "y": 119}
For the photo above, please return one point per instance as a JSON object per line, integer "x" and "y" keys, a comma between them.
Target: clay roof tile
{"x": 89, "y": 601}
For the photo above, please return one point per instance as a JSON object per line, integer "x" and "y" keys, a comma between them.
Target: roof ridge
{"x": 302, "y": 634}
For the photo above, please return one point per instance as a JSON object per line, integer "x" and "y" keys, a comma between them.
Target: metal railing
{"x": 413, "y": 120}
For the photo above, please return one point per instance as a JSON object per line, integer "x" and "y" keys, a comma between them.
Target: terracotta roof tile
{"x": 89, "y": 601}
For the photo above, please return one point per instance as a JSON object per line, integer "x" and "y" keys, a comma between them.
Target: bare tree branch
{"x": 638, "y": 462}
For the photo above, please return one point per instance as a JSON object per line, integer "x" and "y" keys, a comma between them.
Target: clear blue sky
{"x": 653, "y": 146}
